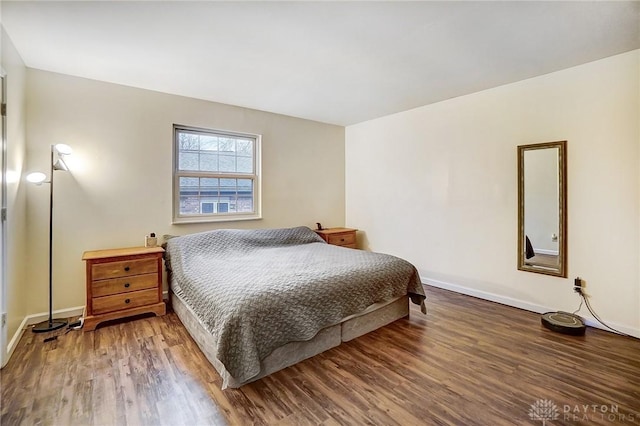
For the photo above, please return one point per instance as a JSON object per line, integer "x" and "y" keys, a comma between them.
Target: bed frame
{"x": 372, "y": 318}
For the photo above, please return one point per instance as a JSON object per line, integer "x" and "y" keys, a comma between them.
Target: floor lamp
{"x": 58, "y": 152}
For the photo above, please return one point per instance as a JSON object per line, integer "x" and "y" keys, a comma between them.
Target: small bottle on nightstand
{"x": 150, "y": 240}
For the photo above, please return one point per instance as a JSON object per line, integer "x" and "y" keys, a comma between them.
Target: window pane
{"x": 206, "y": 191}
{"x": 244, "y": 205}
{"x": 189, "y": 204}
{"x": 188, "y": 181}
{"x": 213, "y": 153}
{"x": 245, "y": 165}
{"x": 188, "y": 184}
{"x": 227, "y": 163}
{"x": 188, "y": 161}
{"x": 208, "y": 143}
{"x": 189, "y": 195}
{"x": 188, "y": 141}
{"x": 244, "y": 147}
{"x": 208, "y": 162}
{"x": 227, "y": 145}
{"x": 245, "y": 196}
{"x": 228, "y": 186}
{"x": 245, "y": 184}
{"x": 209, "y": 187}
{"x": 209, "y": 181}
{"x": 215, "y": 195}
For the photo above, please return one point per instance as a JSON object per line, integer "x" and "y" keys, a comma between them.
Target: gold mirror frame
{"x": 529, "y": 265}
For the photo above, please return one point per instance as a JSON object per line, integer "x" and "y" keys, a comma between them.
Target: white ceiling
{"x": 335, "y": 62}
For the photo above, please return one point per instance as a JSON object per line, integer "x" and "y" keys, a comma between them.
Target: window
{"x": 216, "y": 175}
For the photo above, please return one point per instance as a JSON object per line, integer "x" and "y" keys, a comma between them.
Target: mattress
{"x": 233, "y": 280}
{"x": 372, "y": 318}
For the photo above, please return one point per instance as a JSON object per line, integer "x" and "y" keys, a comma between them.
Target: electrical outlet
{"x": 578, "y": 285}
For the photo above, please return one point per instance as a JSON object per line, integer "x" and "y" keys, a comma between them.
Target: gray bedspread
{"x": 256, "y": 290}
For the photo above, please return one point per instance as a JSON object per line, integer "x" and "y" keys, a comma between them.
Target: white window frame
{"x": 179, "y": 218}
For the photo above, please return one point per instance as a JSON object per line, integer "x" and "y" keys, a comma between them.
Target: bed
{"x": 257, "y": 301}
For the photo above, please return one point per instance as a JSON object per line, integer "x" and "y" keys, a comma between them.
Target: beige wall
{"x": 120, "y": 185}
{"x": 16, "y": 291}
{"x": 437, "y": 185}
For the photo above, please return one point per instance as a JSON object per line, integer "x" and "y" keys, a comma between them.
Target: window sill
{"x": 183, "y": 221}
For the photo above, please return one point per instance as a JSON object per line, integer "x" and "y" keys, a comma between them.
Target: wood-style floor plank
{"x": 468, "y": 362}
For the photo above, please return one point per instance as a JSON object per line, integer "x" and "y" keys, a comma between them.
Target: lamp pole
{"x": 50, "y": 325}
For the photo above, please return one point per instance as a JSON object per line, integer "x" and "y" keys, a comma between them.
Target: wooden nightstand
{"x": 122, "y": 283}
{"x": 345, "y": 237}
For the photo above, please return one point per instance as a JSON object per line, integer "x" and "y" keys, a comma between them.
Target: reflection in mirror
{"x": 542, "y": 208}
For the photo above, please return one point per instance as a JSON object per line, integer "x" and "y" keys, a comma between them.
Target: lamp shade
{"x": 36, "y": 177}
{"x": 63, "y": 149}
{"x": 60, "y": 165}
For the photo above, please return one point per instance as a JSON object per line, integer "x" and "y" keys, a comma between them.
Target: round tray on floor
{"x": 564, "y": 322}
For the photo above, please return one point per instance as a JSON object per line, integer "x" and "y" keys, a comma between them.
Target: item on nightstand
{"x": 151, "y": 240}
{"x": 319, "y": 228}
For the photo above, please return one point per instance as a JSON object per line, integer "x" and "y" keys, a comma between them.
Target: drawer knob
{"x": 126, "y": 268}
{"x": 342, "y": 240}
{"x": 127, "y": 300}
{"x": 127, "y": 285}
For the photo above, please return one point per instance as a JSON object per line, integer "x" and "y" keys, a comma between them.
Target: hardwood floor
{"x": 461, "y": 364}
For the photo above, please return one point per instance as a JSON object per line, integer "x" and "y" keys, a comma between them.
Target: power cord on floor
{"x": 579, "y": 307}
{"x": 77, "y": 325}
{"x": 586, "y": 301}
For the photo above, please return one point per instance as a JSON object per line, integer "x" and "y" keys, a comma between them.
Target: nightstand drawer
{"x": 118, "y": 302}
{"x": 342, "y": 239}
{"x": 123, "y": 285}
{"x": 126, "y": 268}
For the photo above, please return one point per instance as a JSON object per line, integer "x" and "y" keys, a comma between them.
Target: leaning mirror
{"x": 542, "y": 208}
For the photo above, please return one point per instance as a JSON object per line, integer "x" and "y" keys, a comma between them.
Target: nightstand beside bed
{"x": 122, "y": 283}
{"x": 344, "y": 237}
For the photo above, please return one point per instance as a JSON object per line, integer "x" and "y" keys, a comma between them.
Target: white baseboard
{"x": 545, "y": 251}
{"x": 521, "y": 304}
{"x": 60, "y": 313}
{"x": 35, "y": 319}
{"x": 15, "y": 339}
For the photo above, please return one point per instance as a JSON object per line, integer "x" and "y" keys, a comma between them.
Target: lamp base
{"x": 45, "y": 326}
